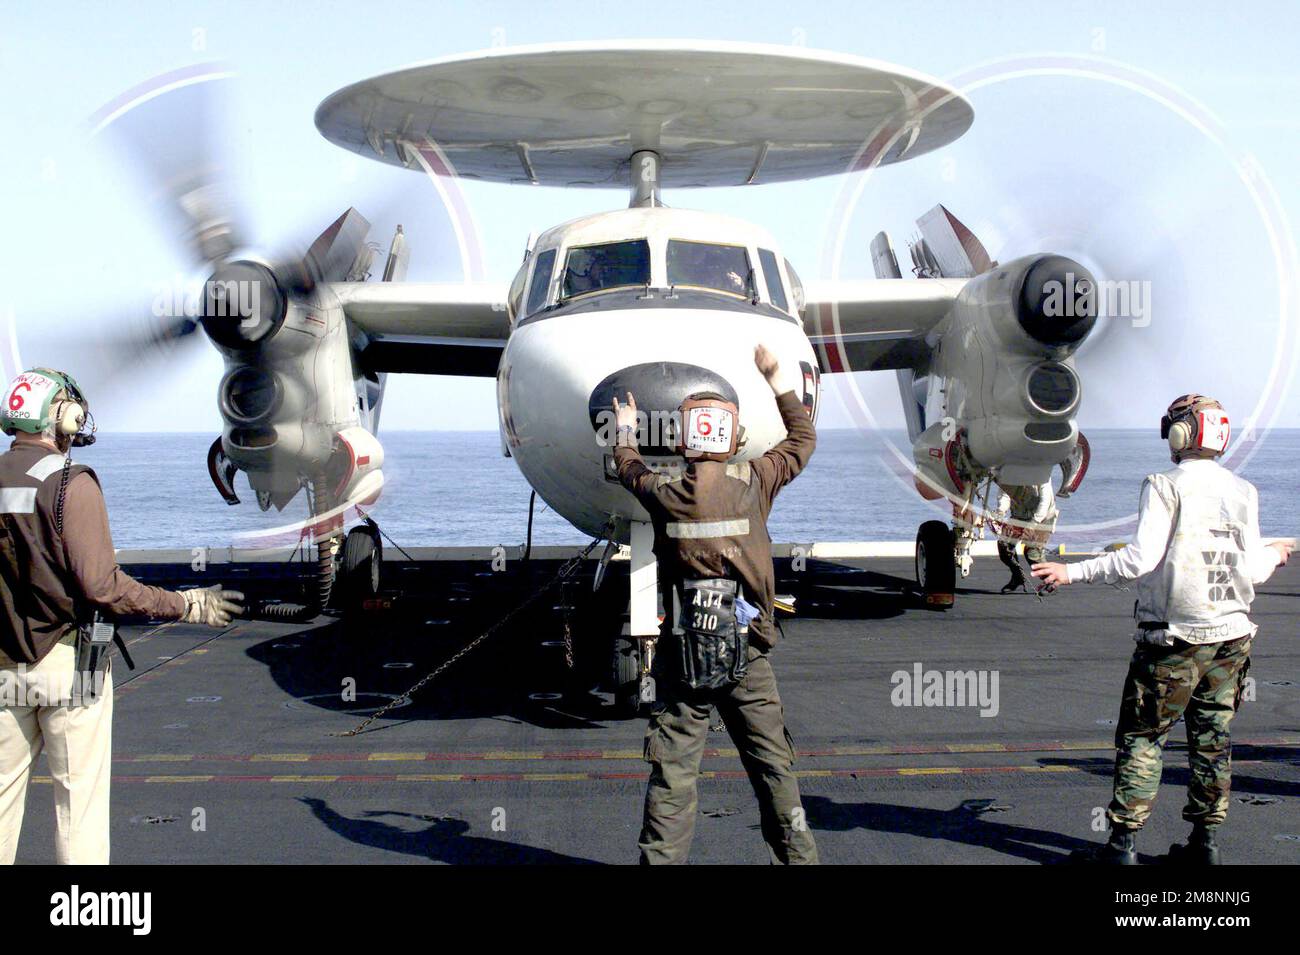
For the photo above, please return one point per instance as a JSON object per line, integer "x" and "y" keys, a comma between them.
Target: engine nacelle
{"x": 1038, "y": 305}
{"x": 1005, "y": 367}
{"x": 288, "y": 395}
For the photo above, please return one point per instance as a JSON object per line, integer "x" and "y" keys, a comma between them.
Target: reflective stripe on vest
{"x": 46, "y": 466}
{"x": 17, "y": 500}
{"x": 695, "y": 530}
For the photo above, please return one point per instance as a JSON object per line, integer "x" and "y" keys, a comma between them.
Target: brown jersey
{"x": 51, "y": 581}
{"x": 711, "y": 519}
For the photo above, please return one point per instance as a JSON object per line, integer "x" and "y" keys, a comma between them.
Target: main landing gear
{"x": 359, "y": 567}
{"x": 936, "y": 564}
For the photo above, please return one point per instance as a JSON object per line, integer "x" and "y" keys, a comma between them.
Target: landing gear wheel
{"x": 936, "y": 564}
{"x": 627, "y": 676}
{"x": 359, "y": 567}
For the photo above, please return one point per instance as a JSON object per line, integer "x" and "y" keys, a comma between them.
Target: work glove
{"x": 212, "y": 606}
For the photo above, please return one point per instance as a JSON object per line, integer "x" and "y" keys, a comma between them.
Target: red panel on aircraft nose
{"x": 835, "y": 358}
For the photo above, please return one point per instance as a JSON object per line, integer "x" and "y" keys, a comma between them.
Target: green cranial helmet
{"x": 28, "y": 403}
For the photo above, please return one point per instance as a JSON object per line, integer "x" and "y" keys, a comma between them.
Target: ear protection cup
{"x": 71, "y": 418}
{"x": 1181, "y": 435}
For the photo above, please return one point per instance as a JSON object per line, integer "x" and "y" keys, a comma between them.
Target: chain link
{"x": 566, "y": 596}
{"x": 566, "y": 570}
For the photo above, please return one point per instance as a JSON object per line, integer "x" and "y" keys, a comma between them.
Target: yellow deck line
{"x": 475, "y": 777}
{"x": 580, "y": 755}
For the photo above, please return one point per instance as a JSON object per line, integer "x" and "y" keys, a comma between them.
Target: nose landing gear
{"x": 634, "y": 686}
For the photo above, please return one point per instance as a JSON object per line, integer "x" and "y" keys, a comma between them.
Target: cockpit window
{"x": 796, "y": 287}
{"x": 541, "y": 280}
{"x": 595, "y": 268}
{"x": 772, "y": 277}
{"x": 723, "y": 268}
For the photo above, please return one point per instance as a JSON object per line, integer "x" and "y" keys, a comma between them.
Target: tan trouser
{"x": 78, "y": 744}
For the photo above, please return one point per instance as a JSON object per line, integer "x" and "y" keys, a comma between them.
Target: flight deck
{"x": 228, "y": 747}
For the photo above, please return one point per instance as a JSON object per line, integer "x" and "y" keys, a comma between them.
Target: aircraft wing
{"x": 875, "y": 324}
{"x": 428, "y": 328}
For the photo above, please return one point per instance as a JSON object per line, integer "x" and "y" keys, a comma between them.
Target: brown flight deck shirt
{"x": 49, "y": 583}
{"x": 711, "y": 520}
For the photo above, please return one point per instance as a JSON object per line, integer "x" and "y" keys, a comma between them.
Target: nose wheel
{"x": 936, "y": 564}
{"x": 634, "y": 687}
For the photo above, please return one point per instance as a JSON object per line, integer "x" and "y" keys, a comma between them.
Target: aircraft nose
{"x": 658, "y": 387}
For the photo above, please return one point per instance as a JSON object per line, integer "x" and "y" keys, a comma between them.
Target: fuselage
{"x": 651, "y": 300}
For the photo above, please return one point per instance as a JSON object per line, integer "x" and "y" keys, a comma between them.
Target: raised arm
{"x": 783, "y": 463}
{"x": 632, "y": 471}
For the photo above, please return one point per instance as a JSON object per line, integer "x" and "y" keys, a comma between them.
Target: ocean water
{"x": 453, "y": 488}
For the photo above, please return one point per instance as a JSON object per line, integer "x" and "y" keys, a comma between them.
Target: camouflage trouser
{"x": 1199, "y": 684}
{"x": 674, "y": 745}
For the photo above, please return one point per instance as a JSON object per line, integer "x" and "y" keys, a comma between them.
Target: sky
{"x": 1155, "y": 142}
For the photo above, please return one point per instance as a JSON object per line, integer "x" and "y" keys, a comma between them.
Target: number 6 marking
{"x": 15, "y": 399}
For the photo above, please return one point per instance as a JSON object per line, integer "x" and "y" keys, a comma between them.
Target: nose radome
{"x": 658, "y": 387}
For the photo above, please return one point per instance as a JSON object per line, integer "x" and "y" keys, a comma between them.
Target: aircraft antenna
{"x": 645, "y": 179}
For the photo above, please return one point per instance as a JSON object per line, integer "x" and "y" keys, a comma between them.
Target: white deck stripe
{"x": 825, "y": 550}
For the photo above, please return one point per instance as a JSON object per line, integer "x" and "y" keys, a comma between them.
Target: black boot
{"x": 1007, "y": 554}
{"x": 1120, "y": 849}
{"x": 1201, "y": 849}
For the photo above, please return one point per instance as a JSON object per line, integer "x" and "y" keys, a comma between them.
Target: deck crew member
{"x": 58, "y": 573}
{"x": 716, "y": 573}
{"x": 1196, "y": 557}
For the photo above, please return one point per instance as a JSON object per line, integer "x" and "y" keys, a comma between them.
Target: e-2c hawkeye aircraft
{"x": 650, "y": 299}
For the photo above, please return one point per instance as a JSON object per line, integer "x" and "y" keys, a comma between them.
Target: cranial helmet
{"x": 710, "y": 428}
{"x": 41, "y": 400}
{"x": 1196, "y": 426}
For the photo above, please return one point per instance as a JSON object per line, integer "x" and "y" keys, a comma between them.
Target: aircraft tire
{"x": 627, "y": 676}
{"x": 936, "y": 565}
{"x": 359, "y": 569}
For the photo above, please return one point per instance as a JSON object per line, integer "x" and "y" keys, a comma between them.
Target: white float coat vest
{"x": 1203, "y": 587}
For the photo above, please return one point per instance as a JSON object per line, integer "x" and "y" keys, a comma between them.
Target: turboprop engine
{"x": 1003, "y": 360}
